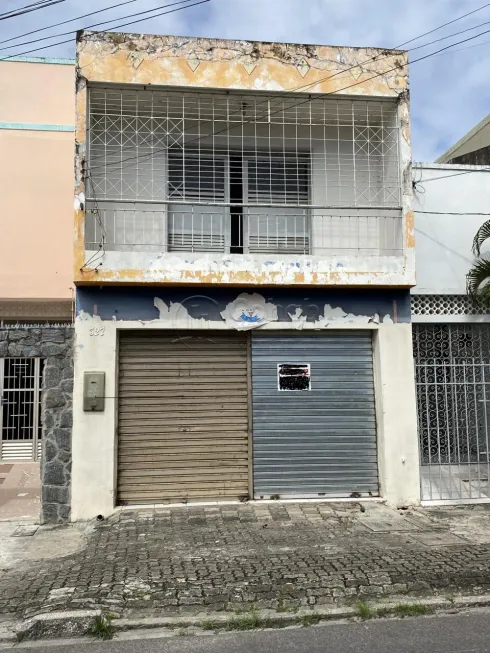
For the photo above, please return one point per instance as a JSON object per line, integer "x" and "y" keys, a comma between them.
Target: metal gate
{"x": 452, "y": 368}
{"x": 20, "y": 400}
{"x": 183, "y": 417}
{"x": 314, "y": 424}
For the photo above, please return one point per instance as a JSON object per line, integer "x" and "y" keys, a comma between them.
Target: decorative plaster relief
{"x": 249, "y": 64}
{"x": 303, "y": 67}
{"x": 249, "y": 311}
{"x": 356, "y": 72}
{"x": 193, "y": 62}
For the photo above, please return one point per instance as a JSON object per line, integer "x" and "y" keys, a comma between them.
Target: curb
{"x": 53, "y": 625}
{"x": 271, "y": 618}
{"x": 77, "y": 623}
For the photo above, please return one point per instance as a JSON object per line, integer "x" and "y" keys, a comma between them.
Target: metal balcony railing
{"x": 147, "y": 227}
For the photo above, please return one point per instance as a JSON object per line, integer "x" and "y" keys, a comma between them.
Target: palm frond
{"x": 481, "y": 236}
{"x": 478, "y": 281}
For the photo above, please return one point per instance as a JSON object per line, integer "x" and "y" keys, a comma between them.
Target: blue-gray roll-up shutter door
{"x": 319, "y": 441}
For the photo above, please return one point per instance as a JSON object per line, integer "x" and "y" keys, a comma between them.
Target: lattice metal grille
{"x": 452, "y": 364}
{"x": 20, "y": 396}
{"x": 446, "y": 305}
{"x": 209, "y": 160}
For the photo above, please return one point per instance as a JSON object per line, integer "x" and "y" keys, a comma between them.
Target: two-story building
{"x": 36, "y": 285}
{"x": 244, "y": 252}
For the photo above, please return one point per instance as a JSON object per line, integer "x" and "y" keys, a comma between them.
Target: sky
{"x": 450, "y": 92}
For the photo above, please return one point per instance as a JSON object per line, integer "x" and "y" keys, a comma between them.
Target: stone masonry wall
{"x": 55, "y": 346}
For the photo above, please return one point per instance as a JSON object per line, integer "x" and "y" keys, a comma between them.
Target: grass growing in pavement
{"x": 210, "y": 624}
{"x": 252, "y": 620}
{"x": 248, "y": 621}
{"x": 410, "y": 610}
{"x": 310, "y": 619}
{"x": 102, "y": 627}
{"x": 364, "y": 611}
{"x": 184, "y": 632}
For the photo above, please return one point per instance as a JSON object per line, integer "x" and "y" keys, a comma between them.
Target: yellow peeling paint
{"x": 409, "y": 230}
{"x": 243, "y": 65}
{"x": 163, "y": 60}
{"x": 90, "y": 276}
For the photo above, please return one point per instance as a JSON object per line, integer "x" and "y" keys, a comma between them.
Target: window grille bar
{"x": 204, "y": 160}
{"x": 20, "y": 386}
{"x": 452, "y": 363}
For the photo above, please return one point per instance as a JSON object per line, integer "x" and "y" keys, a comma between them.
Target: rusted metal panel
{"x": 182, "y": 417}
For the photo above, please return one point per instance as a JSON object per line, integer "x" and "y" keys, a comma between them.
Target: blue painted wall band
{"x": 37, "y": 127}
{"x": 123, "y": 303}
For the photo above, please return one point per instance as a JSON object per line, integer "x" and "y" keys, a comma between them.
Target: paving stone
{"x": 25, "y": 531}
{"x": 184, "y": 561}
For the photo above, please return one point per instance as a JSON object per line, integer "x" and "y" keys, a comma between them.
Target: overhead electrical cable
{"x": 65, "y": 22}
{"x": 104, "y": 22}
{"x": 36, "y": 6}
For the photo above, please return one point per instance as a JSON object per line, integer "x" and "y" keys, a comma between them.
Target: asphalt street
{"x": 458, "y": 633}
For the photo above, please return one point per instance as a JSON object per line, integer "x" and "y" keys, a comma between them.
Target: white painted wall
{"x": 396, "y": 412}
{"x": 94, "y": 434}
{"x": 443, "y": 242}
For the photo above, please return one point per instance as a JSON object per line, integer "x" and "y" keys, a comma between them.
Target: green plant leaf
{"x": 481, "y": 236}
{"x": 478, "y": 279}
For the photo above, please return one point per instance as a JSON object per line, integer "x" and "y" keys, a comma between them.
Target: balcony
{"x": 137, "y": 227}
{"x": 241, "y": 182}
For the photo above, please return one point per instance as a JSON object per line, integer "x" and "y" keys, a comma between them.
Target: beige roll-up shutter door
{"x": 182, "y": 417}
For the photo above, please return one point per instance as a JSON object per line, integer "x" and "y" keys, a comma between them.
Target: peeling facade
{"x": 242, "y": 212}
{"x": 167, "y": 61}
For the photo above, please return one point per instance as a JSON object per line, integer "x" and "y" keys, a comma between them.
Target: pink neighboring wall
{"x": 36, "y": 182}
{"x": 37, "y": 93}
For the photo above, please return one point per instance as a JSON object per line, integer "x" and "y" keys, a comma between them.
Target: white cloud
{"x": 449, "y": 94}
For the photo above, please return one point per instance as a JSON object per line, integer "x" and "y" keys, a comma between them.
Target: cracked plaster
{"x": 217, "y": 63}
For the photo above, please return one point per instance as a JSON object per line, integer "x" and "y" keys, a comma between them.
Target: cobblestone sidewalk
{"x": 279, "y": 555}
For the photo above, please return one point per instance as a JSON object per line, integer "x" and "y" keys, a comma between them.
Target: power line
{"x": 415, "y": 38}
{"x": 307, "y": 100}
{"x": 64, "y": 22}
{"x": 468, "y": 47}
{"x": 43, "y": 4}
{"x": 455, "y": 174}
{"x": 163, "y": 13}
{"x": 436, "y": 29}
{"x": 449, "y": 36}
{"x": 296, "y": 89}
{"x": 451, "y": 212}
{"x": 104, "y": 22}
{"x": 390, "y": 50}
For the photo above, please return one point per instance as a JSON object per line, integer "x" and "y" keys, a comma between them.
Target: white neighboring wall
{"x": 443, "y": 242}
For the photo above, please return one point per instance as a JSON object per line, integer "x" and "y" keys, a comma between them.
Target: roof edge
{"x": 447, "y": 155}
